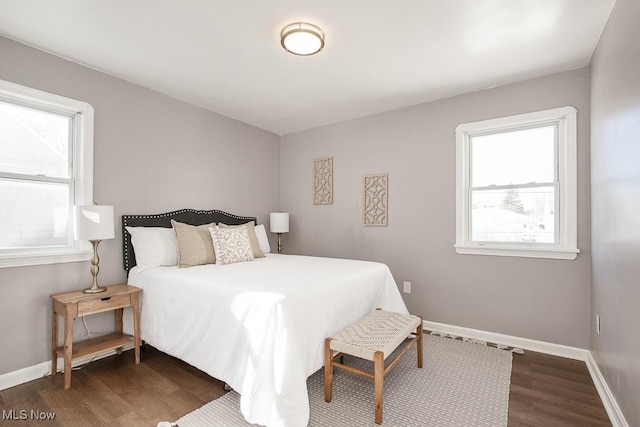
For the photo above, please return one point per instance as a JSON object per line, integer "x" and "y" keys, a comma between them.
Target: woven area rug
{"x": 461, "y": 384}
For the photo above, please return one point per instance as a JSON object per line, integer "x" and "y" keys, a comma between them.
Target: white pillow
{"x": 154, "y": 246}
{"x": 231, "y": 245}
{"x": 261, "y": 233}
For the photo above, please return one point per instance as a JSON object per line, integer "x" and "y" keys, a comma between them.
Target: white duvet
{"x": 260, "y": 326}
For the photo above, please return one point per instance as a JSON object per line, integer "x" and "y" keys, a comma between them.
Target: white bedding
{"x": 260, "y": 326}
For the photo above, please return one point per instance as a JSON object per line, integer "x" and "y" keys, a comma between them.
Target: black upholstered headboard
{"x": 187, "y": 216}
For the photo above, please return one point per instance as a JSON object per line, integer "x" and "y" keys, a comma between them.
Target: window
{"x": 46, "y": 167}
{"x": 516, "y": 186}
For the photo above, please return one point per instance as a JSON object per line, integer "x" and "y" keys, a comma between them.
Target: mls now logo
{"x": 23, "y": 414}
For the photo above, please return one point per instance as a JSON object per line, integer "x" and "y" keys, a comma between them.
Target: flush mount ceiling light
{"x": 301, "y": 38}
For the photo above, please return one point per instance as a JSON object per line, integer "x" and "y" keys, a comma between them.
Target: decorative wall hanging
{"x": 376, "y": 191}
{"x": 323, "y": 181}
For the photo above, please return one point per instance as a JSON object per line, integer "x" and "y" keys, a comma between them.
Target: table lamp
{"x": 279, "y": 223}
{"x": 94, "y": 223}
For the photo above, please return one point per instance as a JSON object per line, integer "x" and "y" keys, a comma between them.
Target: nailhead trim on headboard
{"x": 189, "y": 216}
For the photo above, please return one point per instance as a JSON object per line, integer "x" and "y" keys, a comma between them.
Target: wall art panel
{"x": 376, "y": 192}
{"x": 323, "y": 181}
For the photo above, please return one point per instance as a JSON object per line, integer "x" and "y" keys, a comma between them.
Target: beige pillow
{"x": 231, "y": 244}
{"x": 195, "y": 246}
{"x": 253, "y": 238}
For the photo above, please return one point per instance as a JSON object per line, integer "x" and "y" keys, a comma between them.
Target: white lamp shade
{"x": 279, "y": 222}
{"x": 94, "y": 222}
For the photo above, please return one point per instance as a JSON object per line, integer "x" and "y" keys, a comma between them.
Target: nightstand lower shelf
{"x": 97, "y": 345}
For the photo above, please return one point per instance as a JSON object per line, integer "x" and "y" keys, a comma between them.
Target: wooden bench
{"x": 372, "y": 338}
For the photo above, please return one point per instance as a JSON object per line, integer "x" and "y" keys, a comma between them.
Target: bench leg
{"x": 419, "y": 335}
{"x": 328, "y": 370}
{"x": 378, "y": 376}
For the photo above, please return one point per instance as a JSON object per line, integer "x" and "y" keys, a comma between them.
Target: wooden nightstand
{"x": 70, "y": 305}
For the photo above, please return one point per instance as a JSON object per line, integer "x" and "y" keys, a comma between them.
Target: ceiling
{"x": 379, "y": 55}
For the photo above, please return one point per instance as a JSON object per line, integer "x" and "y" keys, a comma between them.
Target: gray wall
{"x": 615, "y": 205}
{"x": 152, "y": 154}
{"x": 545, "y": 300}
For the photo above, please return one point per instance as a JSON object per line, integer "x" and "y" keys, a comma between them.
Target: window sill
{"x": 523, "y": 252}
{"x": 44, "y": 257}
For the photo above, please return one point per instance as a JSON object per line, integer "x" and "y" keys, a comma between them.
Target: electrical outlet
{"x": 598, "y": 324}
{"x": 406, "y": 287}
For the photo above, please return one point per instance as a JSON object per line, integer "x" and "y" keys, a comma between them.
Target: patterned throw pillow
{"x": 231, "y": 245}
{"x": 253, "y": 238}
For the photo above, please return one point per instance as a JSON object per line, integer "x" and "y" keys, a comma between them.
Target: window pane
{"x": 33, "y": 142}
{"x": 524, "y": 215}
{"x": 517, "y": 157}
{"x": 33, "y": 214}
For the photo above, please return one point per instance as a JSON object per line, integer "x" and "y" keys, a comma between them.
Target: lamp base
{"x": 92, "y": 290}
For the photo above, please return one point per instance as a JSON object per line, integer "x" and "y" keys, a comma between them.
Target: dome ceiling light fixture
{"x": 302, "y": 38}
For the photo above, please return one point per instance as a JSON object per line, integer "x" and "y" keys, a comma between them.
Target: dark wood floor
{"x": 545, "y": 391}
{"x": 553, "y": 391}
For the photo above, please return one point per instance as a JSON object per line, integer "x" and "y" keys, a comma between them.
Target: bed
{"x": 259, "y": 326}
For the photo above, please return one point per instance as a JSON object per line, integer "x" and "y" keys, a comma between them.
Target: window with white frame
{"x": 516, "y": 186}
{"x": 46, "y": 167}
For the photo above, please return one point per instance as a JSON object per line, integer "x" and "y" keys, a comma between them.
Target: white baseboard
{"x": 510, "y": 340}
{"x": 41, "y": 370}
{"x": 608, "y": 399}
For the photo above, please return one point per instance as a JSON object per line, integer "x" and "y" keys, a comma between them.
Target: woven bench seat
{"x": 373, "y": 338}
